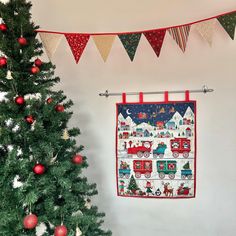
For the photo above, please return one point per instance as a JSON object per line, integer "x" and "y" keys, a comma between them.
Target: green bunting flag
{"x": 228, "y": 22}
{"x": 130, "y": 43}
{"x": 130, "y": 40}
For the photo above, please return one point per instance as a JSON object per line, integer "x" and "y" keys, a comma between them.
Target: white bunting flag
{"x": 206, "y": 30}
{"x": 50, "y": 42}
{"x": 104, "y": 44}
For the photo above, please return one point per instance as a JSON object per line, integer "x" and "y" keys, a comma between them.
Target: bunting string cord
{"x": 141, "y": 31}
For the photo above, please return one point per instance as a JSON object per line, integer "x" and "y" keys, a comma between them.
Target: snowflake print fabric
{"x": 156, "y": 38}
{"x": 130, "y": 43}
{"x": 77, "y": 43}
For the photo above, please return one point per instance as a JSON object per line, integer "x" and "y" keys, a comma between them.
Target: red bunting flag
{"x": 156, "y": 38}
{"x": 130, "y": 40}
{"x": 77, "y": 44}
{"x": 180, "y": 35}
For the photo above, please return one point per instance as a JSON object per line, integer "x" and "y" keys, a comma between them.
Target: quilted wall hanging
{"x": 156, "y": 148}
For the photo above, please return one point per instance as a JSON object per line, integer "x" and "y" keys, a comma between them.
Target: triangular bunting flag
{"x": 228, "y": 22}
{"x": 77, "y": 43}
{"x": 50, "y": 42}
{"x": 104, "y": 44}
{"x": 156, "y": 38}
{"x": 180, "y": 35}
{"x": 130, "y": 43}
{"x": 206, "y": 29}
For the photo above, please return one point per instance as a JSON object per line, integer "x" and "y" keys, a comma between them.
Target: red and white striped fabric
{"x": 180, "y": 35}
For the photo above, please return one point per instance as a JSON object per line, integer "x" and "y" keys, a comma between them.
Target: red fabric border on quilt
{"x": 156, "y": 149}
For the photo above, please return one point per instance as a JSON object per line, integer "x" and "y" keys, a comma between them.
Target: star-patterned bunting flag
{"x": 206, "y": 30}
{"x": 156, "y": 38}
{"x": 228, "y": 22}
{"x": 130, "y": 43}
{"x": 50, "y": 42}
{"x": 130, "y": 40}
{"x": 104, "y": 44}
{"x": 180, "y": 35}
{"x": 77, "y": 43}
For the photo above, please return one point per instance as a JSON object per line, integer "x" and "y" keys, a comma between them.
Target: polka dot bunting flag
{"x": 228, "y": 22}
{"x": 130, "y": 40}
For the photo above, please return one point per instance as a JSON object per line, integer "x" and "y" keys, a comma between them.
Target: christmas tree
{"x": 186, "y": 166}
{"x": 41, "y": 167}
{"x": 133, "y": 187}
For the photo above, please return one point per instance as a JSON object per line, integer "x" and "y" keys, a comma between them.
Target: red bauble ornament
{"x": 49, "y": 100}
{"x": 19, "y": 100}
{"x": 38, "y": 62}
{"x": 30, "y": 119}
{"x": 3, "y": 27}
{"x": 34, "y": 70}
{"x": 30, "y": 221}
{"x": 77, "y": 159}
{"x": 59, "y": 108}
{"x": 39, "y": 169}
{"x": 3, "y": 62}
{"x": 22, "y": 41}
{"x": 60, "y": 231}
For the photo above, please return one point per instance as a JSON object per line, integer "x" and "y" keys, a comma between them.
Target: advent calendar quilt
{"x": 156, "y": 149}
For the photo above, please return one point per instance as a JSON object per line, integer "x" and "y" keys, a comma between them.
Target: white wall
{"x": 212, "y": 212}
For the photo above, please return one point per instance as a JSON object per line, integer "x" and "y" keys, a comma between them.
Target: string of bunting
{"x": 130, "y": 40}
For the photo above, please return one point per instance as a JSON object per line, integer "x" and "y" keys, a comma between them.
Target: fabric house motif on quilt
{"x": 156, "y": 149}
